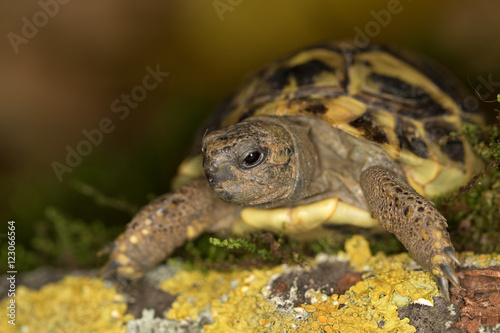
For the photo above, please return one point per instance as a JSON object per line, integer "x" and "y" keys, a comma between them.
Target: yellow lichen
{"x": 238, "y": 304}
{"x": 358, "y": 253}
{"x": 235, "y": 298}
{"x": 74, "y": 304}
{"x": 238, "y": 300}
{"x": 479, "y": 260}
{"x": 371, "y": 304}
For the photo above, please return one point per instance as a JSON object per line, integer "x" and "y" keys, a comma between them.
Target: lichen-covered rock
{"x": 353, "y": 291}
{"x": 74, "y": 304}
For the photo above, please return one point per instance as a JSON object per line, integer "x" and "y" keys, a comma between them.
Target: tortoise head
{"x": 259, "y": 161}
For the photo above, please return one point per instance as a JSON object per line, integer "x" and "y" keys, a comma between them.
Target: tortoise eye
{"x": 252, "y": 159}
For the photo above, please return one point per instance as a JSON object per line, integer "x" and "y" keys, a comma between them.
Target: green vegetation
{"x": 254, "y": 249}
{"x": 473, "y": 212}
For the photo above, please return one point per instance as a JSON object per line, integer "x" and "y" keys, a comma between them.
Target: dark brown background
{"x": 64, "y": 80}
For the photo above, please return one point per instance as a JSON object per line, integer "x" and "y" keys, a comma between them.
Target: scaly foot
{"x": 415, "y": 221}
{"x": 163, "y": 225}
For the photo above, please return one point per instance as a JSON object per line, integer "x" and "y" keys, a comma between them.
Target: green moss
{"x": 473, "y": 212}
{"x": 255, "y": 249}
{"x": 68, "y": 242}
{"x": 232, "y": 243}
{"x": 100, "y": 199}
{"x": 250, "y": 250}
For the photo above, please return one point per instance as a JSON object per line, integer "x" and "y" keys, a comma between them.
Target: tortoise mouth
{"x": 223, "y": 194}
{"x": 214, "y": 185}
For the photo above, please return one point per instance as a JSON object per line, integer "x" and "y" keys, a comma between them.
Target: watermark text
{"x": 11, "y": 272}
{"x": 31, "y": 26}
{"x": 223, "y": 6}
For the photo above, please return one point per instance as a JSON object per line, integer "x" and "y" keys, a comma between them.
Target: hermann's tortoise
{"x": 332, "y": 134}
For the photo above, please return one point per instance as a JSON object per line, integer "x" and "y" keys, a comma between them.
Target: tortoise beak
{"x": 219, "y": 176}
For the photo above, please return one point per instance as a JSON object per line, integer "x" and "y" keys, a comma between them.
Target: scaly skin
{"x": 163, "y": 225}
{"x": 414, "y": 221}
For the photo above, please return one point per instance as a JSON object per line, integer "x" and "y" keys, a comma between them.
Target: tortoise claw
{"x": 451, "y": 254}
{"x": 107, "y": 249}
{"x": 109, "y": 268}
{"x": 443, "y": 286}
{"x": 449, "y": 273}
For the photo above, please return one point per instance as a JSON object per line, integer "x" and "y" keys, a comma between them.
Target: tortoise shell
{"x": 407, "y": 105}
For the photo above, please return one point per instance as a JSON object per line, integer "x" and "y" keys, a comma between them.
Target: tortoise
{"x": 332, "y": 134}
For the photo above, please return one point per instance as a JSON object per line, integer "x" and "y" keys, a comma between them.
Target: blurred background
{"x": 67, "y": 65}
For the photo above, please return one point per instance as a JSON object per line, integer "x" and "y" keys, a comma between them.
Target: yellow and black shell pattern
{"x": 404, "y": 103}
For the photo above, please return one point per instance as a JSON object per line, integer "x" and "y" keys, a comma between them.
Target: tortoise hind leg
{"x": 414, "y": 221}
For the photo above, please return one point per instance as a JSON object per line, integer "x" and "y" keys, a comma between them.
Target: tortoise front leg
{"x": 414, "y": 221}
{"x": 163, "y": 225}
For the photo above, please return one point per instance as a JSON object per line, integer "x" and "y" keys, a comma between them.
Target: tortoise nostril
{"x": 212, "y": 168}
